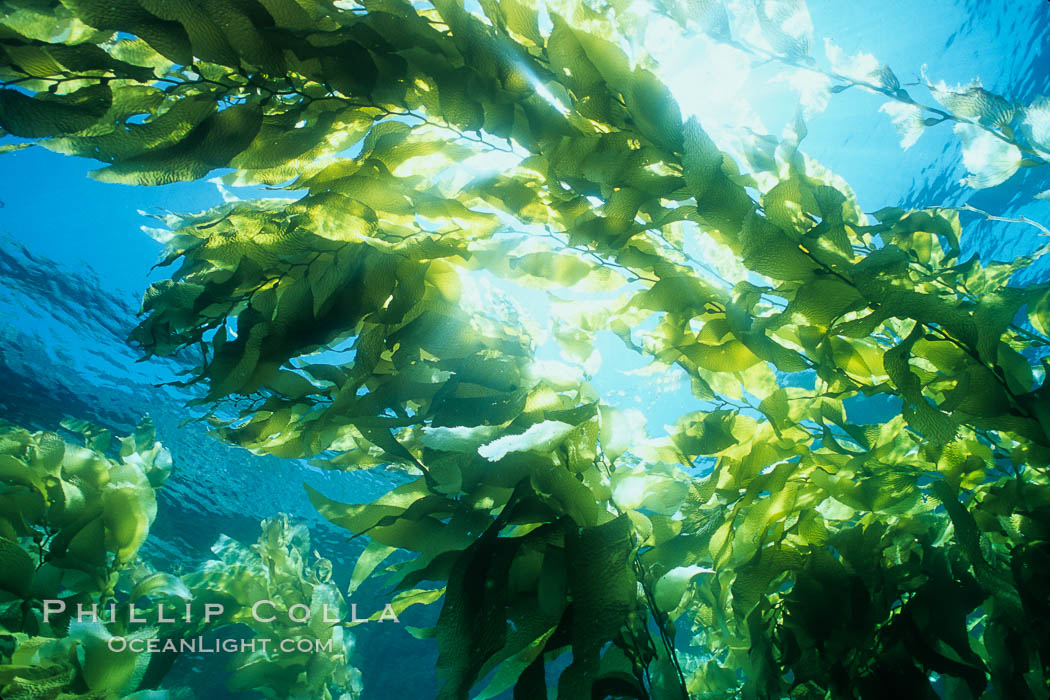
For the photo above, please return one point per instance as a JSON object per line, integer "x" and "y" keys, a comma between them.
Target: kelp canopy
{"x": 770, "y": 544}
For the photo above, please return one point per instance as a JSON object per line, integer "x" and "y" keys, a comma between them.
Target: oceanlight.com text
{"x": 199, "y": 645}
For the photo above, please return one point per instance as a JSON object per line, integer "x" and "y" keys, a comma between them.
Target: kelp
{"x": 74, "y": 518}
{"x": 86, "y": 513}
{"x": 999, "y": 135}
{"x": 802, "y": 550}
{"x": 303, "y": 609}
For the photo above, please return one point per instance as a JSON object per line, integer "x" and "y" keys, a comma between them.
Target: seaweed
{"x": 79, "y": 609}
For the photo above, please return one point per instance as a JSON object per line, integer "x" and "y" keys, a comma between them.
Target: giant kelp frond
{"x": 998, "y": 134}
{"x": 304, "y": 605}
{"x": 830, "y": 549}
{"x": 71, "y": 521}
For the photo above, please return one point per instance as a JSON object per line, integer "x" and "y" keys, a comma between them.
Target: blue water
{"x": 73, "y": 264}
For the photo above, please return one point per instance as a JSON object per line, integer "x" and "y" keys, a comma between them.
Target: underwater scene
{"x": 524, "y": 349}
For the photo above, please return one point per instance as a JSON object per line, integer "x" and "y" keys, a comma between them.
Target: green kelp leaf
{"x": 532, "y": 619}
{"x": 397, "y": 516}
{"x": 931, "y": 422}
{"x": 421, "y": 526}
{"x": 620, "y": 429}
{"x": 823, "y": 301}
{"x": 823, "y": 584}
{"x": 705, "y": 433}
{"x": 974, "y": 103}
{"x": 509, "y": 672}
{"x": 887, "y": 492}
{"x": 382, "y": 438}
{"x": 472, "y": 625}
{"x": 519, "y": 17}
{"x": 86, "y": 57}
{"x": 373, "y": 555}
{"x": 209, "y": 145}
{"x": 540, "y": 437}
{"x": 753, "y": 580}
{"x": 15, "y": 471}
{"x": 657, "y": 114}
{"x": 355, "y": 518}
{"x": 911, "y": 231}
{"x": 655, "y": 490}
{"x": 96, "y": 437}
{"x": 138, "y": 53}
{"x": 14, "y": 441}
{"x": 16, "y": 568}
{"x": 82, "y": 542}
{"x": 441, "y": 335}
{"x": 1039, "y": 313}
{"x": 603, "y": 591}
{"x": 672, "y": 586}
{"x": 720, "y": 201}
{"x": 751, "y": 331}
{"x": 406, "y": 599}
{"x": 767, "y": 250}
{"x": 776, "y": 408}
{"x": 25, "y": 679}
{"x": 168, "y": 124}
{"x": 566, "y": 271}
{"x": 789, "y": 204}
{"x": 33, "y": 60}
{"x": 731, "y": 356}
{"x": 244, "y": 38}
{"x": 966, "y": 531}
{"x": 67, "y": 503}
{"x": 53, "y": 115}
{"x": 989, "y": 160}
{"x": 127, "y": 518}
{"x": 12, "y": 147}
{"x": 961, "y": 468}
{"x": 458, "y": 105}
{"x": 751, "y": 527}
{"x": 993, "y": 315}
{"x": 257, "y": 672}
{"x": 566, "y": 494}
{"x": 161, "y": 584}
{"x": 167, "y": 38}
{"x": 47, "y": 452}
{"x": 104, "y": 669}
{"x": 679, "y": 294}
{"x": 569, "y": 59}
{"x": 551, "y": 588}
{"x": 812, "y": 529}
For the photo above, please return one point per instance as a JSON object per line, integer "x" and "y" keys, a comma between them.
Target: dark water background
{"x": 73, "y": 265}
